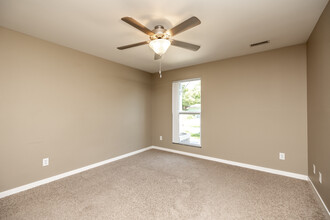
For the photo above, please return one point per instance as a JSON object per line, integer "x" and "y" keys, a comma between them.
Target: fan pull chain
{"x": 160, "y": 68}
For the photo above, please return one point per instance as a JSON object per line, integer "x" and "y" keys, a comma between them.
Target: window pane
{"x": 190, "y": 96}
{"x": 190, "y": 129}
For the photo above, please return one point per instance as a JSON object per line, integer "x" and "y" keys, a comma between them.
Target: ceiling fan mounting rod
{"x": 159, "y": 27}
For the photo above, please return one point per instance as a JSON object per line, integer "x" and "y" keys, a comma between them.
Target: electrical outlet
{"x": 320, "y": 177}
{"x": 45, "y": 162}
{"x": 314, "y": 169}
{"x": 282, "y": 156}
{"x": 161, "y": 138}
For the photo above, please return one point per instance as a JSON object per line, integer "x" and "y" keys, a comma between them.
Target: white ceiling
{"x": 228, "y": 26}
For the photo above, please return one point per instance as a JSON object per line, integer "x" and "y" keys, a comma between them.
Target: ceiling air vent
{"x": 259, "y": 43}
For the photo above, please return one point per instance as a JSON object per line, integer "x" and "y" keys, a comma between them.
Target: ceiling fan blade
{"x": 187, "y": 24}
{"x": 137, "y": 25}
{"x": 157, "y": 57}
{"x": 132, "y": 45}
{"x": 185, "y": 45}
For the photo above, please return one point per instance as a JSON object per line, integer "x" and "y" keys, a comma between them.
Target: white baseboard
{"x": 317, "y": 192}
{"x": 66, "y": 174}
{"x": 264, "y": 169}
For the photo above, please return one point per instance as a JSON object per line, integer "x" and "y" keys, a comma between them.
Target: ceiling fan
{"x": 160, "y": 38}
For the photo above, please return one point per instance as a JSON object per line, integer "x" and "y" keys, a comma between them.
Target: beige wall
{"x": 74, "y": 108}
{"x": 253, "y": 107}
{"x": 78, "y": 109}
{"x": 318, "y": 54}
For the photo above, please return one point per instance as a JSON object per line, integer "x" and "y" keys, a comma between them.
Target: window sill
{"x": 189, "y": 145}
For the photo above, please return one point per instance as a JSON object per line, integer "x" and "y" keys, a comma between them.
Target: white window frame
{"x": 176, "y": 103}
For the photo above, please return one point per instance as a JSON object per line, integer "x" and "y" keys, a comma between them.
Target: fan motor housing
{"x": 160, "y": 33}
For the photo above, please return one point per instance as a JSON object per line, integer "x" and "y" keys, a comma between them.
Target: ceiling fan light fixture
{"x": 159, "y": 46}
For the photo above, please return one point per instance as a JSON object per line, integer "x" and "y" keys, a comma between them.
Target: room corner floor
{"x": 162, "y": 185}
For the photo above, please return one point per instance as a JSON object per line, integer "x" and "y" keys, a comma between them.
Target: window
{"x": 186, "y": 112}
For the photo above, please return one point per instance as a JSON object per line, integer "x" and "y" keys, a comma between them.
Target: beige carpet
{"x": 161, "y": 185}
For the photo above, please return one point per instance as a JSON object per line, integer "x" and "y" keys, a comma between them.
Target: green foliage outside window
{"x": 191, "y": 96}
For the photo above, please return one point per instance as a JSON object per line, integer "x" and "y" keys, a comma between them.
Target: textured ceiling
{"x": 228, "y": 26}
